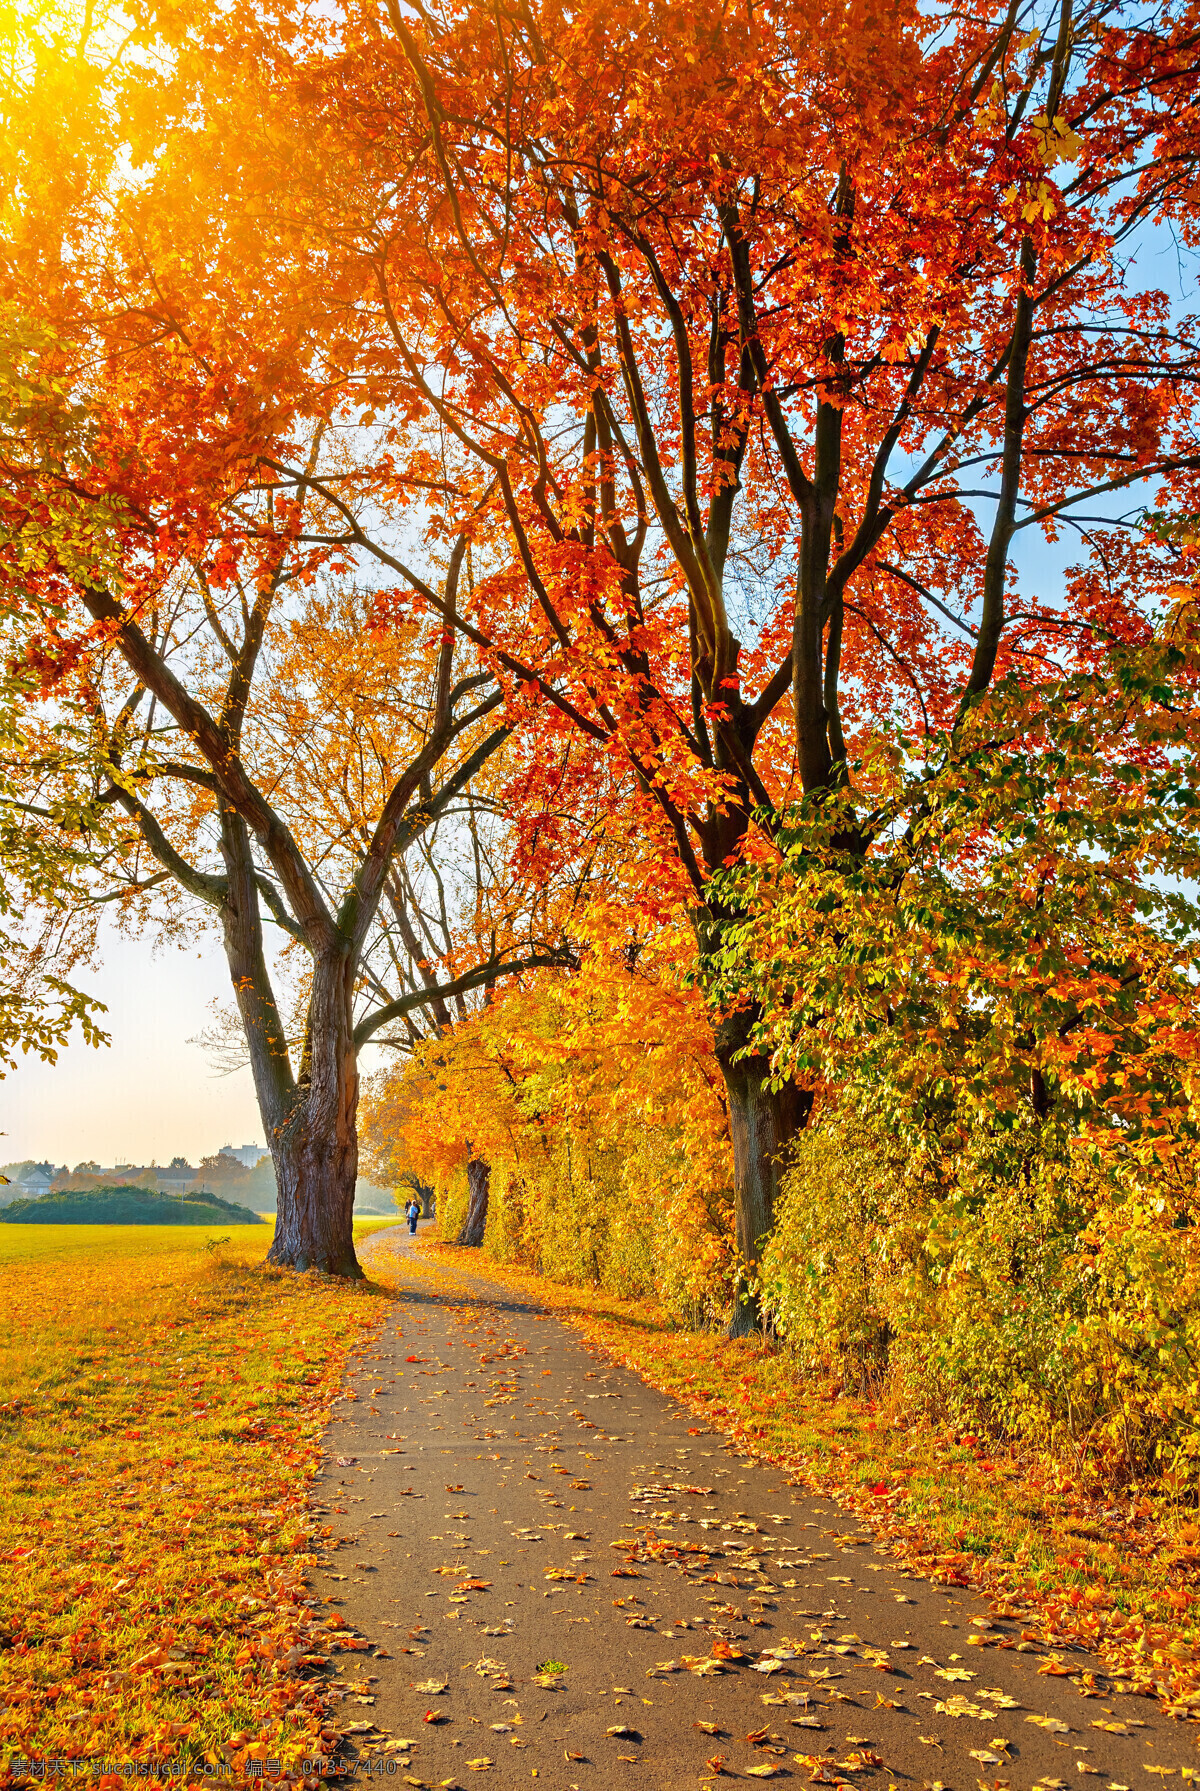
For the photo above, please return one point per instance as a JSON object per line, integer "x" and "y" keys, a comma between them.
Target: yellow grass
{"x": 161, "y": 1405}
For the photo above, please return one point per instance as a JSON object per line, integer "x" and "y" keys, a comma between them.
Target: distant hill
{"x": 120, "y": 1205}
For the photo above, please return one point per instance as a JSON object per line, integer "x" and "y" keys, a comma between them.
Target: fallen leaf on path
{"x": 708, "y": 1728}
{"x": 766, "y": 1771}
{"x": 1051, "y": 1723}
{"x": 433, "y": 1686}
{"x": 958, "y": 1706}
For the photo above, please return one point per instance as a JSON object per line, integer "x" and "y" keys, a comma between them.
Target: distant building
{"x": 245, "y": 1154}
{"x": 178, "y": 1178}
{"x": 37, "y": 1179}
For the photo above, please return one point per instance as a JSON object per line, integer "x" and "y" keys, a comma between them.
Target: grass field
{"x": 162, "y": 1399}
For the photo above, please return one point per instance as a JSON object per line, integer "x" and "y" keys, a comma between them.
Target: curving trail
{"x": 738, "y": 1629}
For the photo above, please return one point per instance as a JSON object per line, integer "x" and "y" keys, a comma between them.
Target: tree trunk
{"x": 479, "y": 1181}
{"x": 762, "y": 1123}
{"x": 310, "y": 1120}
{"x": 316, "y": 1149}
{"x": 314, "y": 1226}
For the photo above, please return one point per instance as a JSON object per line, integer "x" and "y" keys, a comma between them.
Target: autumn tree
{"x": 744, "y": 350}
{"x": 215, "y": 722}
{"x": 754, "y": 344}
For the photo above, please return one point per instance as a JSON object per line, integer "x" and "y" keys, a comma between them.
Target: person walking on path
{"x": 412, "y": 1213}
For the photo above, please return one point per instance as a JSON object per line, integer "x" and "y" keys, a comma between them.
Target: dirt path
{"x": 478, "y": 1483}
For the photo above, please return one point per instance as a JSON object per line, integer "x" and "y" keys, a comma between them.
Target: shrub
{"x": 1061, "y": 1305}
{"x": 120, "y": 1205}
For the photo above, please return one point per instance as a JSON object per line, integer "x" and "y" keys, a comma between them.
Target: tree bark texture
{"x": 316, "y": 1148}
{"x": 762, "y": 1123}
{"x": 316, "y": 1174}
{"x": 479, "y": 1180}
{"x": 310, "y": 1121}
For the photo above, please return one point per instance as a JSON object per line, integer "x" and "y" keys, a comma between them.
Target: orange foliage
{"x": 596, "y": 1099}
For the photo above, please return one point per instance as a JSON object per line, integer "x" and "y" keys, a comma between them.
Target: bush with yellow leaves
{"x": 595, "y": 1100}
{"x": 1060, "y": 1306}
